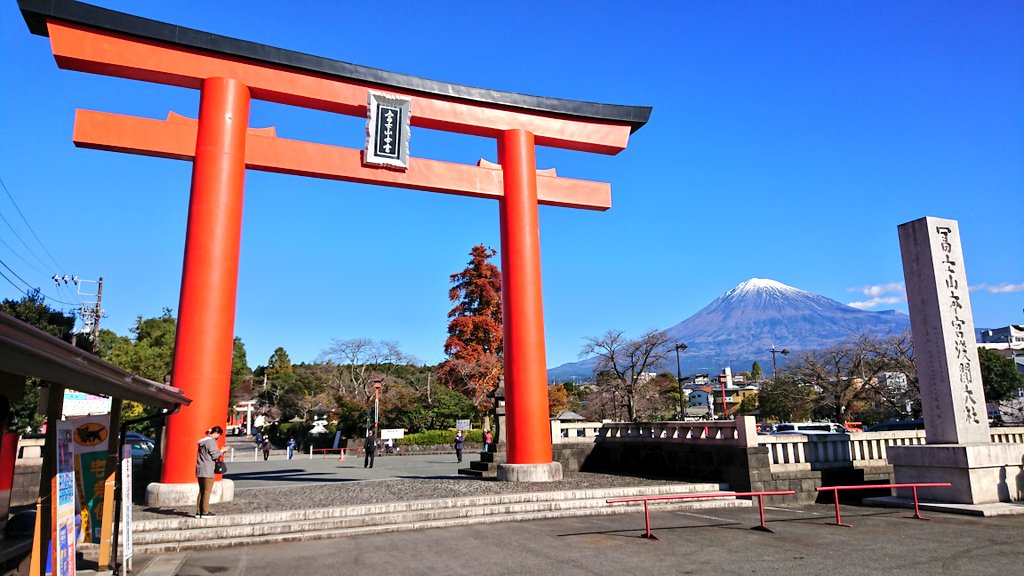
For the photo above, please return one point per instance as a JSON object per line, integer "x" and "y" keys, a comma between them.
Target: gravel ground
{"x": 337, "y": 494}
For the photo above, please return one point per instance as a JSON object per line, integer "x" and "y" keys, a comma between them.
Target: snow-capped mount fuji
{"x": 741, "y": 326}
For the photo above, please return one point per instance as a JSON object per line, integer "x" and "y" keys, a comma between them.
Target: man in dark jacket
{"x": 370, "y": 448}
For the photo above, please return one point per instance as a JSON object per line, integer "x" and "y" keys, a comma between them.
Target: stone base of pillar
{"x": 530, "y": 472}
{"x": 178, "y": 495}
{"x": 979, "y": 473}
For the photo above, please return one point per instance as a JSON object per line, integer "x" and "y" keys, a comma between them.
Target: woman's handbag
{"x": 219, "y": 467}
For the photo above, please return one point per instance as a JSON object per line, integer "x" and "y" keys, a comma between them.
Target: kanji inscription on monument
{"x": 945, "y": 349}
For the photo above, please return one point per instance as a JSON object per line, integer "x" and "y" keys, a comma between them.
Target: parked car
{"x": 140, "y": 446}
{"x": 809, "y": 428}
{"x": 896, "y": 425}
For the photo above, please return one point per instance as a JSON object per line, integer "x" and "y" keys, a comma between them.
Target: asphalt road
{"x": 881, "y": 542}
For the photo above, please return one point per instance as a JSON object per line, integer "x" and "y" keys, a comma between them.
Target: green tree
{"x": 474, "y": 343}
{"x": 749, "y": 404}
{"x": 999, "y": 375}
{"x": 33, "y": 310}
{"x": 149, "y": 354}
{"x": 755, "y": 372}
{"x": 281, "y": 388}
{"x": 786, "y": 399}
{"x": 279, "y": 363}
{"x": 241, "y": 374}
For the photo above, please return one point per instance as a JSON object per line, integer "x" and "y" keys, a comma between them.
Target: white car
{"x": 809, "y": 428}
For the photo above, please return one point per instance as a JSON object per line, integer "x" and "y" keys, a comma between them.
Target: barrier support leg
{"x": 839, "y": 521}
{"x": 760, "y": 507}
{"x": 647, "y": 520}
{"x": 342, "y": 458}
{"x": 917, "y": 510}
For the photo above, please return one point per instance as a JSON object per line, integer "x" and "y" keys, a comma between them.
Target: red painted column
{"x": 209, "y": 282}
{"x": 526, "y": 391}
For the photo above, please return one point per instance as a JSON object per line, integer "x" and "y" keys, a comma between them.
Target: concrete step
{"x": 170, "y": 535}
{"x": 475, "y": 472}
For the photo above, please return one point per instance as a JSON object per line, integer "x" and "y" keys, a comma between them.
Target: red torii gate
{"x": 229, "y": 72}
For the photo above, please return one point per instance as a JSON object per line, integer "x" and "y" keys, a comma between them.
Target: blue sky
{"x": 788, "y": 140}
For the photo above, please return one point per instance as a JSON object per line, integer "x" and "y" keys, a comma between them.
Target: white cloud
{"x": 879, "y": 289}
{"x": 873, "y": 302}
{"x": 1004, "y": 288}
{"x": 877, "y": 295}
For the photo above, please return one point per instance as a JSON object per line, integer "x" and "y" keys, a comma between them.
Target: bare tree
{"x": 363, "y": 360}
{"x": 628, "y": 360}
{"x": 893, "y": 355}
{"x": 854, "y": 374}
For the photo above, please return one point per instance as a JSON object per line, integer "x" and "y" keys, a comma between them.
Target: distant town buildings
{"x": 1008, "y": 340}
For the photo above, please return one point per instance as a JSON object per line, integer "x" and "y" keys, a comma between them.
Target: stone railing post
{"x": 746, "y": 431}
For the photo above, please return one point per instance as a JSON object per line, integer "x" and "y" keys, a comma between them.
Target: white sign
{"x": 387, "y": 131}
{"x": 392, "y": 433}
{"x": 126, "y": 507}
{"x": 81, "y": 404}
{"x": 63, "y": 537}
{"x": 462, "y": 424}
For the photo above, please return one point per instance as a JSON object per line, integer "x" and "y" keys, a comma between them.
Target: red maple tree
{"x": 474, "y": 343}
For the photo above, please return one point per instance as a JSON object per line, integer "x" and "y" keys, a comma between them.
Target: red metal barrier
{"x": 647, "y": 514}
{"x": 325, "y": 451}
{"x": 917, "y": 512}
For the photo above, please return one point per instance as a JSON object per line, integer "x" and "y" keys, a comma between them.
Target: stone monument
{"x": 959, "y": 448}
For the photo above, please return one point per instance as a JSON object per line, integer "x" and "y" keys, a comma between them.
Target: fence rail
{"x": 697, "y": 496}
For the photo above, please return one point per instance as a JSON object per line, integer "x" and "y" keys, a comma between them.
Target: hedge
{"x": 435, "y": 437}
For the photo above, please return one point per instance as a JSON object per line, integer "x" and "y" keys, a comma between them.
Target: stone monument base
{"x": 177, "y": 495}
{"x": 530, "y": 472}
{"x": 979, "y": 473}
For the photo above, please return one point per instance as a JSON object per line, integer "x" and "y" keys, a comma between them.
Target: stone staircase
{"x": 160, "y": 536}
{"x": 485, "y": 467}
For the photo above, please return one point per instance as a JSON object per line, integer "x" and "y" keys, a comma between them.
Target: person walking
{"x": 370, "y": 449}
{"x": 487, "y": 440}
{"x": 265, "y": 447}
{"x": 206, "y": 455}
{"x": 459, "y": 441}
{"x": 291, "y": 447}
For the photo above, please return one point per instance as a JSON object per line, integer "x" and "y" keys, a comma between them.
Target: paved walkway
{"x": 325, "y": 482}
{"x": 882, "y": 542}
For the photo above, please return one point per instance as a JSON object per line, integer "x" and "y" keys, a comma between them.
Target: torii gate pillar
{"x": 529, "y": 437}
{"x": 204, "y": 342}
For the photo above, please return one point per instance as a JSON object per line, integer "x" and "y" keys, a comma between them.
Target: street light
{"x": 774, "y": 351}
{"x": 679, "y": 380}
{"x": 376, "y": 405}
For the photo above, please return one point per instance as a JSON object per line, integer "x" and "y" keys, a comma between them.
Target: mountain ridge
{"x": 743, "y": 325}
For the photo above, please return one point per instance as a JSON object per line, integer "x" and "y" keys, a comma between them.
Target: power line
{"x": 25, "y": 220}
{"x": 31, "y": 287}
{"x": 20, "y": 239}
{"x": 15, "y": 274}
{"x": 13, "y": 284}
{"x": 27, "y": 263}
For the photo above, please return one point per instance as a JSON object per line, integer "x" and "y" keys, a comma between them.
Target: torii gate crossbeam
{"x": 229, "y": 72}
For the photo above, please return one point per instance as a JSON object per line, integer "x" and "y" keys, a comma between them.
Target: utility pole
{"x": 775, "y": 351}
{"x": 90, "y": 314}
{"x": 679, "y": 381}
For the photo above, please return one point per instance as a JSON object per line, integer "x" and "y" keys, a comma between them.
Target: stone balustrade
{"x": 575, "y": 432}
{"x": 788, "y": 452}
{"x": 740, "y": 432}
{"x": 1013, "y": 435}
